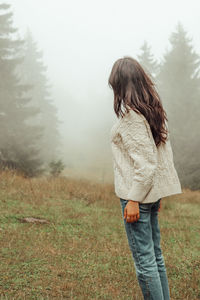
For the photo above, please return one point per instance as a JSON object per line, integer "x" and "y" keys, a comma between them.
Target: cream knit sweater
{"x": 142, "y": 172}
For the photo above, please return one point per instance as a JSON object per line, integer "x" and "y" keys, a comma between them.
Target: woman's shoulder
{"x": 132, "y": 121}
{"x": 132, "y": 118}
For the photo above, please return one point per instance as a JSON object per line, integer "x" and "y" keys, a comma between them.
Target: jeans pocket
{"x": 123, "y": 200}
{"x": 123, "y": 203}
{"x": 145, "y": 207}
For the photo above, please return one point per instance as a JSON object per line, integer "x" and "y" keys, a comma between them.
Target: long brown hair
{"x": 133, "y": 87}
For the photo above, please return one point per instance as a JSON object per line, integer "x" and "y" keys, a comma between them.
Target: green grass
{"x": 83, "y": 252}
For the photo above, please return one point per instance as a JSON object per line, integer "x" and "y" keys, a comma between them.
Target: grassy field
{"x": 83, "y": 253}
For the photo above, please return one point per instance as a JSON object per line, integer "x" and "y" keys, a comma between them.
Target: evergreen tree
{"x": 147, "y": 60}
{"x": 179, "y": 84}
{"x": 32, "y": 71}
{"x": 18, "y": 140}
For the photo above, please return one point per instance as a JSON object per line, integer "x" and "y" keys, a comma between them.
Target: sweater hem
{"x": 155, "y": 193}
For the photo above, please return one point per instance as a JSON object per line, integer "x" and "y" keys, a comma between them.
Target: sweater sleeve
{"x": 142, "y": 151}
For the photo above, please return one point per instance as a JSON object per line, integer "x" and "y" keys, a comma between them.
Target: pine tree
{"x": 33, "y": 72}
{"x": 147, "y": 60}
{"x": 179, "y": 85}
{"x": 18, "y": 140}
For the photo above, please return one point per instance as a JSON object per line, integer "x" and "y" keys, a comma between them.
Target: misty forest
{"x": 30, "y": 138}
{"x": 78, "y": 249}
{"x": 29, "y": 124}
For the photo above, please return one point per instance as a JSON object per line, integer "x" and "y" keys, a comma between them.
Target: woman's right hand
{"x": 131, "y": 211}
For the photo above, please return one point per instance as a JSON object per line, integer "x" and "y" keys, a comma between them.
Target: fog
{"x": 80, "y": 41}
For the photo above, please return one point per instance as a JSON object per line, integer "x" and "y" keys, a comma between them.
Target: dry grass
{"x": 83, "y": 252}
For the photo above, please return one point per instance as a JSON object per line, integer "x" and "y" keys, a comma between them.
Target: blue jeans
{"x": 144, "y": 242}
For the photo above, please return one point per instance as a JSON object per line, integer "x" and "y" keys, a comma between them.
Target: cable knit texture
{"x": 142, "y": 172}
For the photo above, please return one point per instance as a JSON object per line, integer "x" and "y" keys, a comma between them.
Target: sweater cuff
{"x": 138, "y": 192}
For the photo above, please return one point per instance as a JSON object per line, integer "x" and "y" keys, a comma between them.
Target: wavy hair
{"x": 133, "y": 87}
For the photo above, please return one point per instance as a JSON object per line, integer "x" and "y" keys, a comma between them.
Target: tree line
{"x": 178, "y": 82}
{"x": 29, "y": 135}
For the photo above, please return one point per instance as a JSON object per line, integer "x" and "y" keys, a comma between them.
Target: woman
{"x": 144, "y": 171}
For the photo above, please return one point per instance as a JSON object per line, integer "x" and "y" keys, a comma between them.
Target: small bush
{"x": 56, "y": 167}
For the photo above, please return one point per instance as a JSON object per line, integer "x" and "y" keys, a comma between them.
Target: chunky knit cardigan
{"x": 142, "y": 172}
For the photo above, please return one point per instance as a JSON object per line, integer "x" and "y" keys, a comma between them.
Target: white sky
{"x": 81, "y": 39}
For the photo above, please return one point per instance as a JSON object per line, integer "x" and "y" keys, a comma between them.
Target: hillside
{"x": 82, "y": 252}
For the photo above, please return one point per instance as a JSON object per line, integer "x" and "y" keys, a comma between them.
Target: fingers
{"x": 132, "y": 218}
{"x": 131, "y": 213}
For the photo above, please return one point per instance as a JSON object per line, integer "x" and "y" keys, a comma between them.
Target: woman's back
{"x": 141, "y": 169}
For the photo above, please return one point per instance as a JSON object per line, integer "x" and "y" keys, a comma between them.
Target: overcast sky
{"x": 81, "y": 39}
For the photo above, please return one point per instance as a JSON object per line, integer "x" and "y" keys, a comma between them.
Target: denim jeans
{"x": 144, "y": 242}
